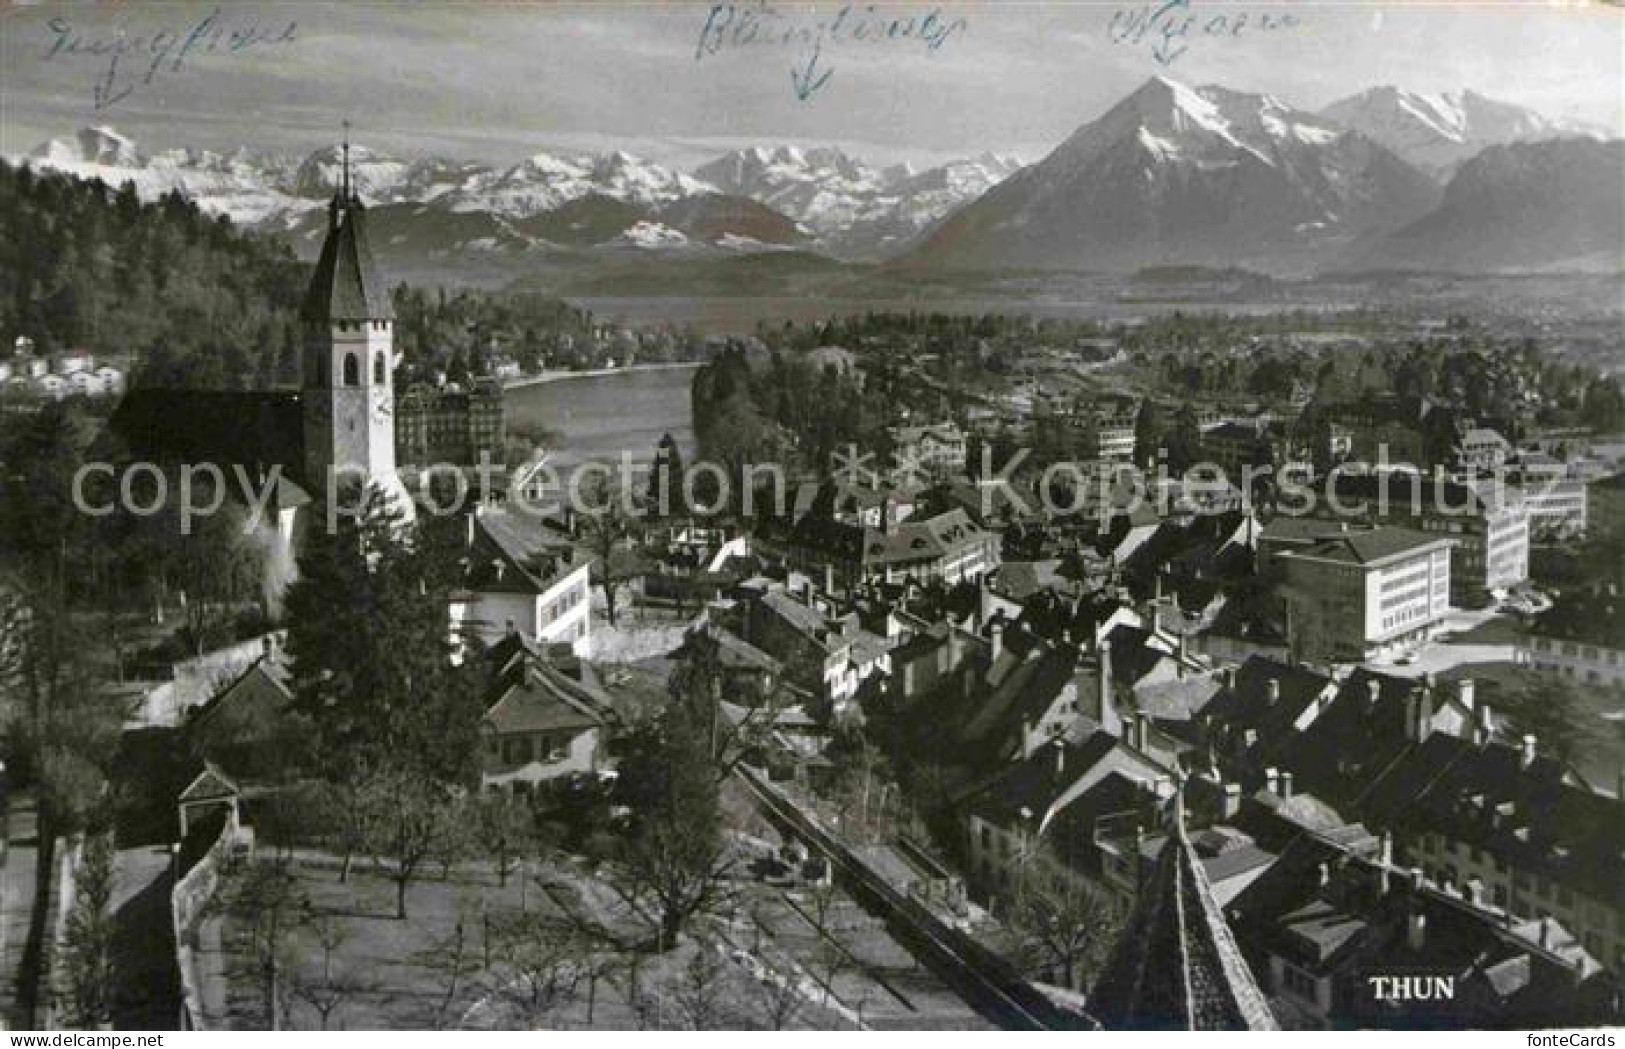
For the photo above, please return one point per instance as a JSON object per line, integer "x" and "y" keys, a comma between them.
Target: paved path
{"x": 17, "y": 886}
{"x": 146, "y": 993}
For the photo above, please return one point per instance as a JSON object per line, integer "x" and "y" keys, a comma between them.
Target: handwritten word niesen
{"x": 1169, "y": 27}
{"x": 127, "y": 61}
{"x": 759, "y": 25}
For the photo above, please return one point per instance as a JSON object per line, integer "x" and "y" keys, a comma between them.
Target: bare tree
{"x": 609, "y": 522}
{"x": 507, "y": 828}
{"x": 700, "y": 989}
{"x": 454, "y": 959}
{"x": 327, "y": 992}
{"x": 401, "y": 823}
{"x": 1066, "y": 924}
{"x": 538, "y": 965}
{"x": 273, "y": 906}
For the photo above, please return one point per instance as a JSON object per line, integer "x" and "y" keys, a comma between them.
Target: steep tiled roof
{"x": 1176, "y": 965}
{"x": 544, "y": 700}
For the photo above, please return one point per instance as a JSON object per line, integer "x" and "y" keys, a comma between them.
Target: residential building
{"x": 540, "y": 724}
{"x": 947, "y": 546}
{"x": 1353, "y": 595}
{"x": 1581, "y": 637}
{"x": 1558, "y": 499}
{"x": 524, "y": 578}
{"x": 937, "y": 449}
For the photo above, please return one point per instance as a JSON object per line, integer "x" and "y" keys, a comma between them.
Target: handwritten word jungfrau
{"x": 1169, "y": 28}
{"x": 129, "y": 61}
{"x": 816, "y": 38}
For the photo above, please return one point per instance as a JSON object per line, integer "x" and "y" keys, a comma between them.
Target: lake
{"x": 599, "y": 416}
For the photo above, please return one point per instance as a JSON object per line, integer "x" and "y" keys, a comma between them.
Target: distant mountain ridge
{"x": 1170, "y": 175}
{"x": 1437, "y": 132}
{"x": 833, "y": 202}
{"x": 1177, "y": 175}
{"x": 1526, "y": 206}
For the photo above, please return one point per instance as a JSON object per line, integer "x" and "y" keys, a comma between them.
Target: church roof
{"x": 1176, "y": 964}
{"x": 346, "y": 285}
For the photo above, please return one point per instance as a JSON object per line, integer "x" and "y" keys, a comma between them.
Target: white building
{"x": 1353, "y": 595}
{"x": 523, "y": 578}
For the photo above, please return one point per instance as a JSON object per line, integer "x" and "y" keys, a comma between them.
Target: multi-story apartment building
{"x": 936, "y": 449}
{"x": 1355, "y": 594}
{"x": 1487, "y": 523}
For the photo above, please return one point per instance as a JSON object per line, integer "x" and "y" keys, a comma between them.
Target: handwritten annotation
{"x": 1169, "y": 27}
{"x": 127, "y": 62}
{"x": 815, "y": 39}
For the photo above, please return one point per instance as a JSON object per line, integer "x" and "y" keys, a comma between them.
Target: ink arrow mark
{"x": 804, "y": 82}
{"x": 1161, "y": 53}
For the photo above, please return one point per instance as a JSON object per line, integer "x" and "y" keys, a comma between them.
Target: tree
{"x": 273, "y": 905}
{"x": 88, "y": 946}
{"x": 609, "y": 521}
{"x": 1067, "y": 926}
{"x": 403, "y": 817}
{"x": 371, "y": 652}
{"x": 700, "y": 989}
{"x": 673, "y": 856}
{"x": 328, "y": 991}
{"x": 665, "y": 497}
{"x": 1549, "y": 708}
{"x": 506, "y": 827}
{"x": 539, "y": 962}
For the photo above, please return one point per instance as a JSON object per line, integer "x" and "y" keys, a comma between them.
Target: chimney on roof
{"x": 1286, "y": 785}
{"x": 1272, "y": 780}
{"x": 1060, "y": 758}
{"x": 1475, "y": 891}
{"x": 1416, "y": 932}
{"x": 1373, "y": 692}
{"x": 1184, "y": 651}
{"x": 1232, "y": 800}
{"x": 1385, "y": 858}
{"x": 1483, "y": 725}
{"x": 1546, "y": 937}
{"x": 1527, "y": 758}
{"x": 1142, "y": 731}
{"x": 499, "y": 567}
{"x": 995, "y": 637}
{"x": 511, "y": 631}
{"x": 1029, "y": 735}
{"x": 1465, "y": 693}
{"x": 829, "y": 579}
{"x": 1323, "y": 874}
{"x": 1273, "y": 691}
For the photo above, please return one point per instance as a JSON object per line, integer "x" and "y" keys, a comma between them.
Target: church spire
{"x": 345, "y": 191}
{"x": 1176, "y": 963}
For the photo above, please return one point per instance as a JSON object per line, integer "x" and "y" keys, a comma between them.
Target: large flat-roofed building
{"x": 1353, "y": 595}
{"x": 1486, "y": 522}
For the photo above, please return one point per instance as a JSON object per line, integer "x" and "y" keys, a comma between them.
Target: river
{"x": 599, "y": 416}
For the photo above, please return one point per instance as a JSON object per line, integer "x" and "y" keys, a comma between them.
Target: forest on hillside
{"x": 191, "y": 300}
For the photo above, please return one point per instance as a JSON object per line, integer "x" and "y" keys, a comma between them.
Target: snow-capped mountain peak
{"x": 1439, "y": 131}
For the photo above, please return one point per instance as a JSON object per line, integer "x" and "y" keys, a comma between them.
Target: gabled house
{"x": 520, "y": 576}
{"x": 540, "y": 724}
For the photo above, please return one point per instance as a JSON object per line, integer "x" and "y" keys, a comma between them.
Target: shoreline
{"x": 551, "y": 377}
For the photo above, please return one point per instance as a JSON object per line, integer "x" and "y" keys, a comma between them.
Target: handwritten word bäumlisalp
{"x": 127, "y": 61}
{"x": 814, "y": 38}
{"x": 1170, "y": 27}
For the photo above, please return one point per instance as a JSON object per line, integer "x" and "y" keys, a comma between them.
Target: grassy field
{"x": 554, "y": 950}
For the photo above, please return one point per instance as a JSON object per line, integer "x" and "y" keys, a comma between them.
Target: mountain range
{"x": 1170, "y": 174}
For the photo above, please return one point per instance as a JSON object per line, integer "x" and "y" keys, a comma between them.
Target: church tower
{"x": 349, "y": 359}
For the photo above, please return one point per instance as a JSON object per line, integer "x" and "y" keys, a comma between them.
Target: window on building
{"x": 1297, "y": 982}
{"x": 380, "y": 371}
{"x": 352, "y": 370}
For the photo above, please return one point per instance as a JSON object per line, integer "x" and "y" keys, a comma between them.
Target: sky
{"x": 497, "y": 81}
